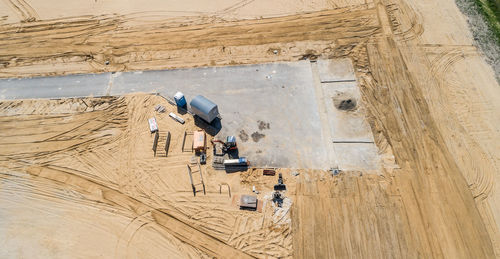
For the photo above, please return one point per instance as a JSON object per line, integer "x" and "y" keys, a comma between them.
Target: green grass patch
{"x": 490, "y": 9}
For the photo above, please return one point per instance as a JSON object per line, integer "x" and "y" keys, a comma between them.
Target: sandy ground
{"x": 431, "y": 98}
{"x": 93, "y": 163}
{"x": 21, "y": 10}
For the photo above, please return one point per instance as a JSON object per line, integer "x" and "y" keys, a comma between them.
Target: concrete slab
{"x": 281, "y": 113}
{"x": 54, "y": 87}
{"x": 270, "y": 108}
{"x": 334, "y": 70}
{"x": 357, "y": 156}
{"x": 346, "y": 118}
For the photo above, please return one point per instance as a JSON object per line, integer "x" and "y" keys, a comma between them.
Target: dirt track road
{"x": 431, "y": 100}
{"x": 84, "y": 44}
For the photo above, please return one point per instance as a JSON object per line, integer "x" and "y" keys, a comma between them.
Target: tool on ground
{"x": 177, "y": 118}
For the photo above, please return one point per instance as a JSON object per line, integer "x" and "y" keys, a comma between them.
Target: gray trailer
{"x": 204, "y": 108}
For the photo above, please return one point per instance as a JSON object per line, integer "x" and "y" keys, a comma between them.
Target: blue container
{"x": 180, "y": 100}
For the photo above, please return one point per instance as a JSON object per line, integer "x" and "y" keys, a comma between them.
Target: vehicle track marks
{"x": 25, "y": 12}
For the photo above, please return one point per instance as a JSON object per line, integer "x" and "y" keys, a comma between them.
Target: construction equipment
{"x": 203, "y": 158}
{"x": 242, "y": 161}
{"x": 277, "y": 195}
{"x": 280, "y": 186}
{"x": 278, "y": 198}
{"x": 227, "y": 146}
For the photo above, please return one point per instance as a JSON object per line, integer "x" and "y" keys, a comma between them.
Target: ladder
{"x": 191, "y": 173}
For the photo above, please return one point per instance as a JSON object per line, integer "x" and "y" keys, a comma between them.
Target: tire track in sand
{"x": 86, "y": 42}
{"x": 405, "y": 21}
{"x": 184, "y": 232}
{"x": 25, "y": 12}
{"x": 480, "y": 176}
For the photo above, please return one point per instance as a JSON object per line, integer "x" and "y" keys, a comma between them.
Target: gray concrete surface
{"x": 280, "y": 113}
{"x": 351, "y": 144}
{"x": 357, "y": 156}
{"x": 346, "y": 125}
{"x": 54, "y": 87}
{"x": 335, "y": 70}
{"x": 270, "y": 108}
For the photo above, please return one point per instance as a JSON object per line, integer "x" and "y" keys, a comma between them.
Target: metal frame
{"x": 184, "y": 142}
{"x": 155, "y": 142}
{"x": 228, "y": 188}
{"x": 193, "y": 185}
{"x": 167, "y": 143}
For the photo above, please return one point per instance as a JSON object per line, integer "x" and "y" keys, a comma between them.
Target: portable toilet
{"x": 204, "y": 108}
{"x": 180, "y": 100}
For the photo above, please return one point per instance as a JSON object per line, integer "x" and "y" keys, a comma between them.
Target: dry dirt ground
{"x": 78, "y": 177}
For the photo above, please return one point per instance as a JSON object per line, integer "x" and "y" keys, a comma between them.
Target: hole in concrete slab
{"x": 345, "y": 103}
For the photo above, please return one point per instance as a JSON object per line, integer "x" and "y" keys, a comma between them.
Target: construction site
{"x": 248, "y": 129}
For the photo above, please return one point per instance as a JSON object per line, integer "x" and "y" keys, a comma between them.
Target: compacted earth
{"x": 78, "y": 177}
